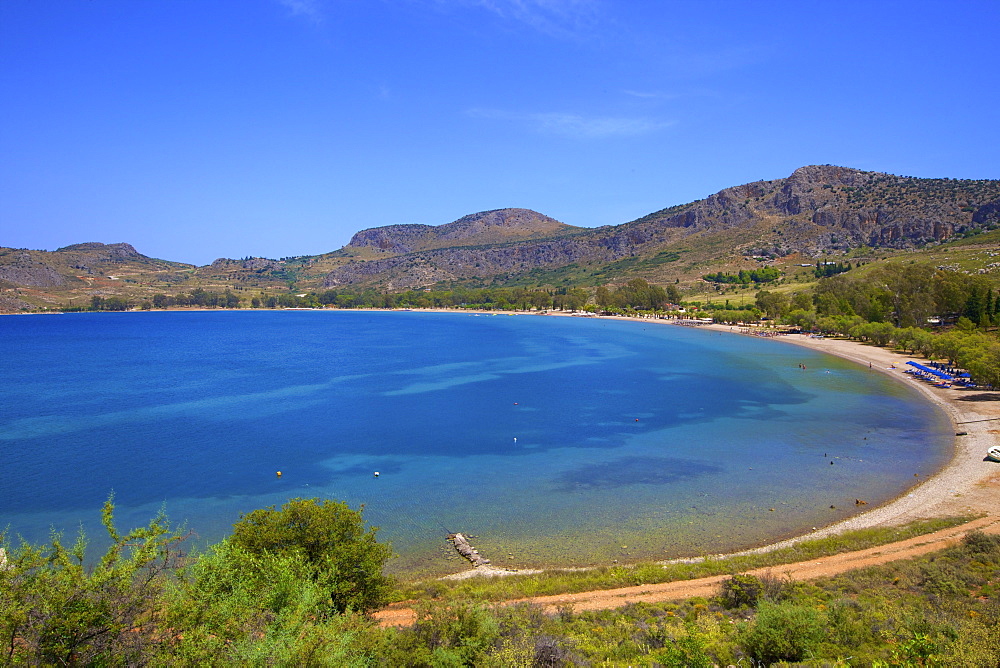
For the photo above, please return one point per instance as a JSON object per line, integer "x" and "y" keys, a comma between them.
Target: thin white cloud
{"x": 650, "y": 95}
{"x": 576, "y": 125}
{"x": 563, "y": 18}
{"x": 308, "y": 9}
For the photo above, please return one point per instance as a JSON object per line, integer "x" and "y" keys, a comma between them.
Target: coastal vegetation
{"x": 744, "y": 277}
{"x": 558, "y": 581}
{"x": 283, "y": 589}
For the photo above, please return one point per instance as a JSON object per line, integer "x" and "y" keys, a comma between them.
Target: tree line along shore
{"x": 940, "y": 313}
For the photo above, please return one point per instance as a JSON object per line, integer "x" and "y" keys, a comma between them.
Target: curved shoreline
{"x": 966, "y": 485}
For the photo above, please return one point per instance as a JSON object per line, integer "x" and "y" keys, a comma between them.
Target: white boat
{"x": 993, "y": 454}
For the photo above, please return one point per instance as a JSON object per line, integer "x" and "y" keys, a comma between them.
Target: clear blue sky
{"x": 198, "y": 129}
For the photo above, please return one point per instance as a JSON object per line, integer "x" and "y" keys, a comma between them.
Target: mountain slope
{"x": 816, "y": 211}
{"x": 486, "y": 227}
{"x": 83, "y": 271}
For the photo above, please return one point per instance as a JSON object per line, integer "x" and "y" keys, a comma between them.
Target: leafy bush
{"x": 56, "y": 611}
{"x": 746, "y": 591}
{"x": 688, "y": 651}
{"x": 782, "y": 632}
{"x": 977, "y": 542}
{"x": 331, "y": 540}
{"x": 741, "y": 591}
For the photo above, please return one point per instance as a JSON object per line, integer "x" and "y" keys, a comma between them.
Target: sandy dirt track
{"x": 400, "y": 615}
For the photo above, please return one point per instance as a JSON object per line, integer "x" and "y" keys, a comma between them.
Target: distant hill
{"x": 817, "y": 211}
{"x": 486, "y": 227}
{"x": 80, "y": 270}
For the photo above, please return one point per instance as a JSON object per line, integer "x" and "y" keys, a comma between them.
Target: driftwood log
{"x": 463, "y": 547}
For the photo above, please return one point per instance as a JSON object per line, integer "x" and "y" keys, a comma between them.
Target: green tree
{"x": 774, "y": 304}
{"x": 331, "y": 539}
{"x": 804, "y": 319}
{"x": 802, "y": 300}
{"x": 603, "y": 297}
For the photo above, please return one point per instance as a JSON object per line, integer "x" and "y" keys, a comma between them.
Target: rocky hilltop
{"x": 79, "y": 271}
{"x": 486, "y": 227}
{"x": 815, "y": 211}
{"x": 20, "y": 266}
{"x": 836, "y": 208}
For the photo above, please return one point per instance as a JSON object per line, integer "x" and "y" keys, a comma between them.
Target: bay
{"x": 553, "y": 441}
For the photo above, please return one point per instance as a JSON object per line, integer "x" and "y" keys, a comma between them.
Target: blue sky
{"x": 195, "y": 130}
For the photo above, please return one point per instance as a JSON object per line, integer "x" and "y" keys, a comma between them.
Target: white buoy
{"x": 376, "y": 474}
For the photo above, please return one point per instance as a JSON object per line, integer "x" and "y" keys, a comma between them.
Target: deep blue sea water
{"x": 551, "y": 440}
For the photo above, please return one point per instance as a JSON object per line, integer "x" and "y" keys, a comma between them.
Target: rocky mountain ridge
{"x": 817, "y": 211}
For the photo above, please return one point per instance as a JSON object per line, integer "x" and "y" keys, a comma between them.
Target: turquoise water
{"x": 551, "y": 440}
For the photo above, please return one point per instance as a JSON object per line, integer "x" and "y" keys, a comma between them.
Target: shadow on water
{"x": 634, "y": 471}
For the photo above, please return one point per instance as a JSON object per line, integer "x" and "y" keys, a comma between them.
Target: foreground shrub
{"x": 688, "y": 651}
{"x": 54, "y": 610}
{"x": 782, "y": 632}
{"x": 977, "y": 542}
{"x": 329, "y": 538}
{"x": 744, "y": 590}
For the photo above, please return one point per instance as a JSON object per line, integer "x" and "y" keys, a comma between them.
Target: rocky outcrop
{"x": 500, "y": 222}
{"x": 249, "y": 263}
{"x": 393, "y": 238}
{"x": 105, "y": 252}
{"x": 10, "y": 304}
{"x": 987, "y": 215}
{"x": 464, "y": 548}
{"x": 419, "y": 269}
{"x": 23, "y": 269}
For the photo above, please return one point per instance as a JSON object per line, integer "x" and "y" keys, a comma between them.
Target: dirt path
{"x": 400, "y": 615}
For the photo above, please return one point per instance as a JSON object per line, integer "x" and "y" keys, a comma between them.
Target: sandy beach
{"x": 967, "y": 485}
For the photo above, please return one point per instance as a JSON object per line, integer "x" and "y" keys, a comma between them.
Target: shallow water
{"x": 551, "y": 440}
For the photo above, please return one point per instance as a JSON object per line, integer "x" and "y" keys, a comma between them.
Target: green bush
{"x": 782, "y": 632}
{"x": 331, "y": 540}
{"x": 55, "y": 610}
{"x": 741, "y": 591}
{"x": 746, "y": 591}
{"x": 978, "y": 543}
{"x": 688, "y": 651}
